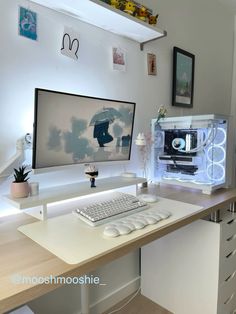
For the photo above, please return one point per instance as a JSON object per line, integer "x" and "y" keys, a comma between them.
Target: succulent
{"x": 20, "y": 174}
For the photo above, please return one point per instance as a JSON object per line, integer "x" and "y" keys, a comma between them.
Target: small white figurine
{"x": 140, "y": 140}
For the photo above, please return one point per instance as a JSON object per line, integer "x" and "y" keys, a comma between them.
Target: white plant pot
{"x": 19, "y": 189}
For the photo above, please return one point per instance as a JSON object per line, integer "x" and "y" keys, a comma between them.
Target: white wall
{"x": 204, "y": 28}
{"x": 191, "y": 25}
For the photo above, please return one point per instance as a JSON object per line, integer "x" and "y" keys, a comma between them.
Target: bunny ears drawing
{"x": 70, "y": 45}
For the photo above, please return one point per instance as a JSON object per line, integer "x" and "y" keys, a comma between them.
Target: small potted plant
{"x": 20, "y": 186}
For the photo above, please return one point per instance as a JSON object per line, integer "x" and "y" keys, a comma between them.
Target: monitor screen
{"x": 71, "y": 129}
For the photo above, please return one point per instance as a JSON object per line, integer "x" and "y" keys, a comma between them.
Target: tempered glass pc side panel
{"x": 190, "y": 151}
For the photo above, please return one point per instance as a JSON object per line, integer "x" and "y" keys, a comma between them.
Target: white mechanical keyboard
{"x": 117, "y": 205}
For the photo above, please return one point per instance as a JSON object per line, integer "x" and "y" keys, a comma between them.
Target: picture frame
{"x": 119, "y": 59}
{"x": 183, "y": 78}
{"x": 27, "y": 23}
{"x": 151, "y": 64}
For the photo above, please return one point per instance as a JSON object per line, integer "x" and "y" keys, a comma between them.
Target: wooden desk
{"x": 20, "y": 255}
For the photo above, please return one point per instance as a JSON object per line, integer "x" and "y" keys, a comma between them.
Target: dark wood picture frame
{"x": 183, "y": 78}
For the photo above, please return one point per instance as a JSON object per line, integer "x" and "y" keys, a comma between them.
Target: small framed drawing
{"x": 183, "y": 78}
{"x": 119, "y": 59}
{"x": 152, "y": 64}
{"x": 27, "y": 23}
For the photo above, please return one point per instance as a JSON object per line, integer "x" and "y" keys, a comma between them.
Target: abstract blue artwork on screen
{"x": 27, "y": 23}
{"x": 72, "y": 129}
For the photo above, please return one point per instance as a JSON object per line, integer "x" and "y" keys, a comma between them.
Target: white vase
{"x": 19, "y": 189}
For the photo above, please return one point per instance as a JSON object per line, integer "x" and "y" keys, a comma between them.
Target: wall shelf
{"x": 106, "y": 17}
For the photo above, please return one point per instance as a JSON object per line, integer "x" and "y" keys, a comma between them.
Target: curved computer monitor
{"x": 75, "y": 129}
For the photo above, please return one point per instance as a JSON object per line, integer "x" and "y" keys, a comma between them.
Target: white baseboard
{"x": 115, "y": 296}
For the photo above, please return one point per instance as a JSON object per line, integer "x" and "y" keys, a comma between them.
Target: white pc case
{"x": 190, "y": 151}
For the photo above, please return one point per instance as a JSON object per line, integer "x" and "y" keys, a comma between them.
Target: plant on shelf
{"x": 20, "y": 186}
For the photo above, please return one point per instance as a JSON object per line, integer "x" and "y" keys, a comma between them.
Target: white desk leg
{"x": 84, "y": 299}
{"x": 44, "y": 212}
{"x": 39, "y": 212}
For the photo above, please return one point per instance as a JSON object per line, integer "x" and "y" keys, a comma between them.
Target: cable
{"x": 210, "y": 138}
{"x": 190, "y": 169}
{"x": 126, "y": 303}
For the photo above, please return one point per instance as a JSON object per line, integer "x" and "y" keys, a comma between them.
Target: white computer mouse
{"x": 148, "y": 198}
{"x": 111, "y": 232}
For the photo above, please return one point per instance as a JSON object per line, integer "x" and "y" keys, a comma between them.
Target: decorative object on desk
{"x": 27, "y": 23}
{"x": 70, "y": 43}
{"x": 151, "y": 64}
{"x": 161, "y": 113}
{"x": 119, "y": 59}
{"x": 144, "y": 143}
{"x": 34, "y": 188}
{"x": 159, "y": 136}
{"x": 152, "y": 19}
{"x": 115, "y": 4}
{"x": 92, "y": 172}
{"x": 142, "y": 13}
{"x": 183, "y": 78}
{"x": 140, "y": 140}
{"x": 20, "y": 186}
{"x": 130, "y": 7}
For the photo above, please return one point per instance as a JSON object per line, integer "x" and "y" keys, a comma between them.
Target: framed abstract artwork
{"x": 183, "y": 78}
{"x": 27, "y": 23}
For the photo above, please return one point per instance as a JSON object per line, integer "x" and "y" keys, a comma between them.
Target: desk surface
{"x": 20, "y": 255}
{"x": 75, "y": 242}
